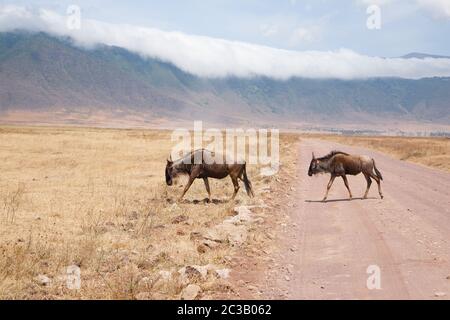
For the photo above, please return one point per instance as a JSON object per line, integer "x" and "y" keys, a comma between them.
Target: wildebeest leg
{"x": 188, "y": 185}
{"x": 236, "y": 186}
{"x": 344, "y": 177}
{"x": 194, "y": 175}
{"x": 369, "y": 182}
{"x": 329, "y": 186}
{"x": 379, "y": 184}
{"x": 207, "y": 188}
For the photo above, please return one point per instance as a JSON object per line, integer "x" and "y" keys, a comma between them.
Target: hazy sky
{"x": 406, "y": 25}
{"x": 281, "y": 39}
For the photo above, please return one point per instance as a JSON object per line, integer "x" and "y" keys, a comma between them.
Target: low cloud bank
{"x": 211, "y": 57}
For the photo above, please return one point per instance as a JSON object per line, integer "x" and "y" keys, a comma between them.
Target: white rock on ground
{"x": 188, "y": 272}
{"x": 223, "y": 273}
{"x": 190, "y": 292}
{"x": 233, "y": 229}
{"x": 165, "y": 275}
{"x": 43, "y": 280}
{"x": 227, "y": 231}
{"x": 243, "y": 215}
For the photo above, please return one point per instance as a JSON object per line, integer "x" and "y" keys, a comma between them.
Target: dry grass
{"x": 97, "y": 199}
{"x": 432, "y": 152}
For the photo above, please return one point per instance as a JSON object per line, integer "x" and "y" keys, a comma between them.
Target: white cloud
{"x": 268, "y": 30}
{"x": 380, "y": 3}
{"x": 210, "y": 57}
{"x": 439, "y": 8}
{"x": 301, "y": 35}
{"x": 375, "y": 2}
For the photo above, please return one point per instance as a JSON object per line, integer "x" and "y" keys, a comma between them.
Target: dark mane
{"x": 332, "y": 154}
{"x": 189, "y": 157}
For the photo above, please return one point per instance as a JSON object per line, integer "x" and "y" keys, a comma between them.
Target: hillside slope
{"x": 39, "y": 72}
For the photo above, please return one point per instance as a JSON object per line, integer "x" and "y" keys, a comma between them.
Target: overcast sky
{"x": 407, "y": 25}
{"x": 328, "y": 30}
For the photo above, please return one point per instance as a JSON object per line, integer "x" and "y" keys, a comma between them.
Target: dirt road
{"x": 326, "y": 248}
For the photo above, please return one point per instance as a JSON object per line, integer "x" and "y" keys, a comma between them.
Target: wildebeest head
{"x": 314, "y": 166}
{"x": 169, "y": 172}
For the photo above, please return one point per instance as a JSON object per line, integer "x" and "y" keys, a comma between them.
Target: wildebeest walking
{"x": 341, "y": 164}
{"x": 202, "y": 169}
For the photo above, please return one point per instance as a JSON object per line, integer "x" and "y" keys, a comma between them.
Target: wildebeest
{"x": 207, "y": 169}
{"x": 341, "y": 164}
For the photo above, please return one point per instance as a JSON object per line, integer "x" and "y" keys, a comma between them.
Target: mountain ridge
{"x": 419, "y": 55}
{"x": 39, "y": 72}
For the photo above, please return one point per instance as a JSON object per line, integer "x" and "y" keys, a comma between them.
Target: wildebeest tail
{"x": 377, "y": 171}
{"x": 247, "y": 183}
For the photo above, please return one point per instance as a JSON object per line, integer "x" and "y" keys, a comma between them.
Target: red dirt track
{"x": 326, "y": 248}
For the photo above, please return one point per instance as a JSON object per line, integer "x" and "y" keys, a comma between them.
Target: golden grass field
{"x": 97, "y": 199}
{"x": 431, "y": 152}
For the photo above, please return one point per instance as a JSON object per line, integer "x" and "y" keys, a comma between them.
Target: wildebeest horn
{"x": 169, "y": 160}
{"x": 313, "y": 155}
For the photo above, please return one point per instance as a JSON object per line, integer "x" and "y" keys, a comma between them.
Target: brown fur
{"x": 341, "y": 164}
{"x": 204, "y": 171}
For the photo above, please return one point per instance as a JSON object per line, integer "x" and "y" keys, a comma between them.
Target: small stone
{"x": 223, "y": 273}
{"x": 43, "y": 280}
{"x": 145, "y": 281}
{"x": 195, "y": 236}
{"x": 287, "y": 278}
{"x": 290, "y": 268}
{"x": 440, "y": 294}
{"x": 243, "y": 215}
{"x": 193, "y": 273}
{"x": 235, "y": 235}
{"x": 210, "y": 244}
{"x": 165, "y": 275}
{"x": 179, "y": 219}
{"x": 202, "y": 248}
{"x": 190, "y": 292}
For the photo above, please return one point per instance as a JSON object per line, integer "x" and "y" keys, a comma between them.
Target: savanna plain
{"x": 97, "y": 199}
